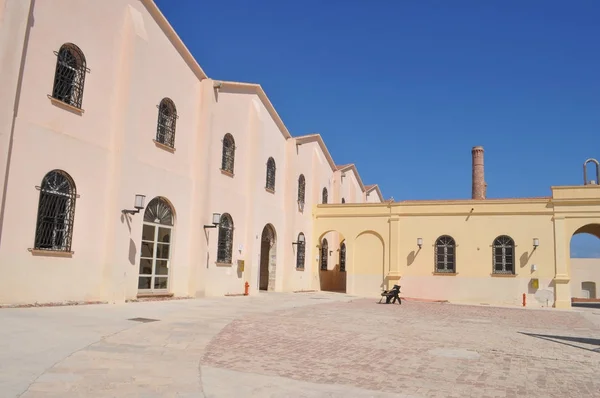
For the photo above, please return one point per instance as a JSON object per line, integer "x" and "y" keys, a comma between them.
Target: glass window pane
{"x": 161, "y": 267}
{"x": 162, "y": 251}
{"x": 160, "y": 282}
{"x": 144, "y": 282}
{"x": 145, "y": 266}
{"x": 164, "y": 235}
{"x": 147, "y": 249}
{"x": 148, "y": 232}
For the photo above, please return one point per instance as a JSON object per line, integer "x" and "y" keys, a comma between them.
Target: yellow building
{"x": 478, "y": 250}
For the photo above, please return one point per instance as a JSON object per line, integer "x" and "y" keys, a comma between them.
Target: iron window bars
{"x": 56, "y": 212}
{"x": 324, "y": 254}
{"x": 503, "y": 251}
{"x": 301, "y": 251}
{"x": 343, "y": 257}
{"x": 165, "y": 127}
{"x": 324, "y": 196}
{"x": 225, "y": 241}
{"x": 271, "y": 174}
{"x": 69, "y": 77}
{"x": 445, "y": 254}
{"x": 301, "y": 191}
{"x": 228, "y": 158}
{"x": 159, "y": 211}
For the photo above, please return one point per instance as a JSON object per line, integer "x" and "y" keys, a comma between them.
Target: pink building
{"x": 104, "y": 109}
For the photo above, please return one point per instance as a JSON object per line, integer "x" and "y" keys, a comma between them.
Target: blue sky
{"x": 404, "y": 89}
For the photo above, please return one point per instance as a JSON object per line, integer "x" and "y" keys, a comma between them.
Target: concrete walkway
{"x": 297, "y": 345}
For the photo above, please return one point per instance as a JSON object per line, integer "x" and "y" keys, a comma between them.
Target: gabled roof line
{"x": 374, "y": 187}
{"x": 318, "y": 139}
{"x": 174, "y": 38}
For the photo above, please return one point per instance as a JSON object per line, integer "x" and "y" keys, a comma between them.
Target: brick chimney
{"x": 479, "y": 185}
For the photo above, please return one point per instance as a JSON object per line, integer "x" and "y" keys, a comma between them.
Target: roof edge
{"x": 318, "y": 139}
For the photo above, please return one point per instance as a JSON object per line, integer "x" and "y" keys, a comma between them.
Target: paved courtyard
{"x": 298, "y": 345}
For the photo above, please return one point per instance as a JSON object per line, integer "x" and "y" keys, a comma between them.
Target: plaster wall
{"x": 585, "y": 270}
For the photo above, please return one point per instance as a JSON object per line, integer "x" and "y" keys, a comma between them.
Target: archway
{"x": 155, "y": 254}
{"x": 585, "y": 266}
{"x": 332, "y": 262}
{"x": 268, "y": 258}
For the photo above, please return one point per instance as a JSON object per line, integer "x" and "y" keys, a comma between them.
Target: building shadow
{"x": 566, "y": 340}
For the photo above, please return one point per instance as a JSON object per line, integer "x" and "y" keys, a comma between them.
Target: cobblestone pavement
{"x": 419, "y": 349}
{"x": 297, "y": 345}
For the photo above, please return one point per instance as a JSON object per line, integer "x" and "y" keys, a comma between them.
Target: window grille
{"x": 343, "y": 257}
{"x": 228, "y": 158}
{"x": 301, "y": 251}
{"x": 445, "y": 254}
{"x": 324, "y": 196}
{"x": 503, "y": 255}
{"x": 271, "y": 174}
{"x": 324, "y": 254}
{"x": 159, "y": 211}
{"x": 69, "y": 77}
{"x": 301, "y": 190}
{"x": 343, "y": 200}
{"x": 167, "y": 117}
{"x": 225, "y": 243}
{"x": 56, "y": 212}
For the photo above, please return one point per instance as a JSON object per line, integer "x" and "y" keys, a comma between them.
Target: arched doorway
{"x": 268, "y": 258}
{"x": 155, "y": 255}
{"x": 585, "y": 265}
{"x": 332, "y": 262}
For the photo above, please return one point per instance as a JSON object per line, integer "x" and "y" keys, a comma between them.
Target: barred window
{"x": 343, "y": 200}
{"x": 165, "y": 128}
{"x": 69, "y": 77}
{"x": 504, "y": 255}
{"x": 445, "y": 254}
{"x": 324, "y": 196}
{"x": 301, "y": 191}
{"x": 301, "y": 250}
{"x": 324, "y": 254}
{"x": 343, "y": 257}
{"x": 56, "y": 212}
{"x": 225, "y": 244}
{"x": 228, "y": 157}
{"x": 271, "y": 174}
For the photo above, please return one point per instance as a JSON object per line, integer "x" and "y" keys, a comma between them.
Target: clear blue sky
{"x": 405, "y": 88}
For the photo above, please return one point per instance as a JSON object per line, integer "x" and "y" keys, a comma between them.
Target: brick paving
{"x": 418, "y": 349}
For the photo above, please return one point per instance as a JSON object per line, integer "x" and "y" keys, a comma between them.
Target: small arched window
{"x": 324, "y": 196}
{"x": 324, "y": 254}
{"x": 343, "y": 257}
{"x": 271, "y": 174}
{"x": 504, "y": 255}
{"x": 69, "y": 76}
{"x": 343, "y": 200}
{"x": 165, "y": 128}
{"x": 301, "y": 250}
{"x": 56, "y": 212}
{"x": 225, "y": 243}
{"x": 445, "y": 254}
{"x": 228, "y": 158}
{"x": 301, "y": 192}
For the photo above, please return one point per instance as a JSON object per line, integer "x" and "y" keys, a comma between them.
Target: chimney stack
{"x": 479, "y": 185}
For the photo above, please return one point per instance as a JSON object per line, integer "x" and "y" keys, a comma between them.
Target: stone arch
{"x": 268, "y": 258}
{"x": 584, "y": 262}
{"x": 333, "y": 279}
{"x": 368, "y": 273}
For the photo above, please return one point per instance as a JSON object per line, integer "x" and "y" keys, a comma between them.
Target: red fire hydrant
{"x": 246, "y": 287}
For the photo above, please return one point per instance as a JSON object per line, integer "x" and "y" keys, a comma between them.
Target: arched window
{"x": 343, "y": 200}
{"x": 225, "y": 244}
{"x": 56, "y": 212}
{"x": 445, "y": 254}
{"x": 343, "y": 257}
{"x": 155, "y": 254}
{"x": 301, "y": 192}
{"x": 324, "y": 254}
{"x": 324, "y": 196}
{"x": 504, "y": 255}
{"x": 69, "y": 77}
{"x": 228, "y": 157}
{"x": 301, "y": 250}
{"x": 165, "y": 128}
{"x": 271, "y": 174}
